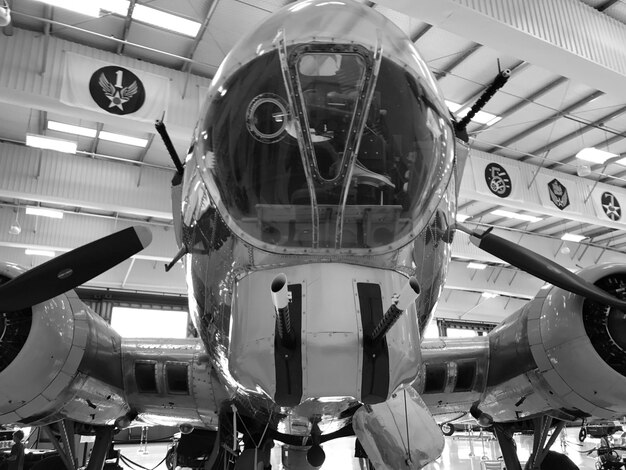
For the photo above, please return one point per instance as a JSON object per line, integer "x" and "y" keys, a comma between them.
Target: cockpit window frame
{"x": 289, "y": 64}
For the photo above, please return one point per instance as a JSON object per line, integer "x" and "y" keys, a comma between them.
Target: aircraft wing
{"x": 560, "y": 355}
{"x": 60, "y": 360}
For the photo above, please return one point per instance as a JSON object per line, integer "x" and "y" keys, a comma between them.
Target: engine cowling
{"x": 561, "y": 352}
{"x": 58, "y": 359}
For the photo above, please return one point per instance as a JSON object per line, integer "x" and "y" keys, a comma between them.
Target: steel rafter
{"x": 545, "y": 122}
{"x": 127, "y": 22}
{"x": 576, "y": 133}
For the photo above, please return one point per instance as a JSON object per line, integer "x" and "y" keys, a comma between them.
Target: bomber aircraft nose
{"x": 325, "y": 140}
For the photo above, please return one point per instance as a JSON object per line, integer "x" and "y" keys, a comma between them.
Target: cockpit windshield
{"x": 325, "y": 146}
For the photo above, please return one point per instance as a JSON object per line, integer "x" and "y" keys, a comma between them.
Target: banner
{"x": 494, "y": 179}
{"x": 112, "y": 89}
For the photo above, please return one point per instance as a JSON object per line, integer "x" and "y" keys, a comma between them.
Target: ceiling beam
{"x": 524, "y": 102}
{"x": 584, "y": 45}
{"x": 458, "y": 60}
{"x": 576, "y": 133}
{"x": 420, "y": 33}
{"x": 127, "y": 22}
{"x": 606, "y": 5}
{"x": 540, "y": 125}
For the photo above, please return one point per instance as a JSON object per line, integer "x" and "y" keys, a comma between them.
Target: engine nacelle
{"x": 58, "y": 360}
{"x": 561, "y": 352}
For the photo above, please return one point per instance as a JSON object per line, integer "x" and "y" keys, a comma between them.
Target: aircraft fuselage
{"x": 326, "y": 160}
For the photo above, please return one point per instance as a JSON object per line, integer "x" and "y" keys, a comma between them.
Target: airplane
{"x": 314, "y": 211}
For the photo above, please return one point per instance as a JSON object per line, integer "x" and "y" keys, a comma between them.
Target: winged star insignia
{"x": 117, "y": 90}
{"x": 117, "y": 97}
{"x": 611, "y": 206}
{"x": 558, "y": 194}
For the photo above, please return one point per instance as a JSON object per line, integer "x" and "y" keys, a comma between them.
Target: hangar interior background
{"x": 566, "y": 94}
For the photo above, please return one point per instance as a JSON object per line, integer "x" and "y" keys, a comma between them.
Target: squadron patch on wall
{"x": 558, "y": 194}
{"x": 498, "y": 180}
{"x": 117, "y": 90}
{"x": 611, "y": 206}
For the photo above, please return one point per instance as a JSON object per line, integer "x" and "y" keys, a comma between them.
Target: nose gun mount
{"x": 280, "y": 300}
{"x": 399, "y": 304}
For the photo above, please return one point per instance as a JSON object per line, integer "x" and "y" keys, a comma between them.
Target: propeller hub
{"x": 606, "y": 326}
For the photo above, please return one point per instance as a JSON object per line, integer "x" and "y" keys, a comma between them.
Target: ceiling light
{"x": 47, "y": 253}
{"x": 489, "y": 295}
{"x": 166, "y": 20}
{"x": 473, "y": 265}
{"x": 123, "y": 139}
{"x": 583, "y": 170}
{"x": 481, "y": 117}
{"x": 594, "y": 155}
{"x": 572, "y": 237}
{"x": 52, "y": 213}
{"x": 50, "y": 143}
{"x": 15, "y": 228}
{"x": 454, "y": 107}
{"x": 71, "y": 129}
{"x": 462, "y": 217}
{"x": 515, "y": 215}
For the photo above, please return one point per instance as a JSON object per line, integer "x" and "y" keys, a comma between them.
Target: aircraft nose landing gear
{"x": 316, "y": 455}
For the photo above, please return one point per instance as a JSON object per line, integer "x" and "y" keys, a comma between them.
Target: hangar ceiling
{"x": 568, "y": 59}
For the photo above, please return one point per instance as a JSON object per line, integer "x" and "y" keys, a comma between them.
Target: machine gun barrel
{"x": 497, "y": 83}
{"x": 399, "y": 304}
{"x": 280, "y": 300}
{"x": 160, "y": 127}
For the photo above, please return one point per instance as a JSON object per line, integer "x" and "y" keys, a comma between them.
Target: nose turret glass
{"x": 325, "y": 141}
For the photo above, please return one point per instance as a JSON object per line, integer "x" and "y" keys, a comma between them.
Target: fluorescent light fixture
{"x": 462, "y": 217}
{"x": 71, "y": 129}
{"x": 572, "y": 237}
{"x": 166, "y": 20}
{"x": 481, "y": 117}
{"x": 47, "y": 253}
{"x": 594, "y": 155}
{"x": 123, "y": 139}
{"x": 52, "y": 213}
{"x": 473, "y": 265}
{"x": 454, "y": 107}
{"x": 489, "y": 295}
{"x": 50, "y": 143}
{"x": 515, "y": 215}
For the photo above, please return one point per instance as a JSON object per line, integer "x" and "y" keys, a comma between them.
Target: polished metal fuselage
{"x": 229, "y": 295}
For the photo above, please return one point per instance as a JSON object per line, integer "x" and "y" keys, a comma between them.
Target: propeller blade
{"x": 540, "y": 266}
{"x": 72, "y": 269}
